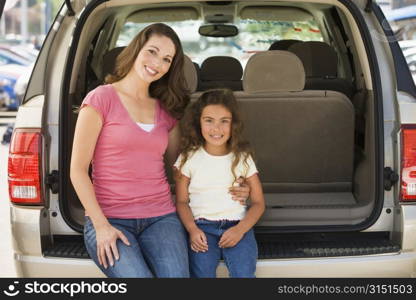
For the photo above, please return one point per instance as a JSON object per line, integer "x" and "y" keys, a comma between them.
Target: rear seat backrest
{"x": 283, "y": 44}
{"x": 321, "y": 64}
{"x": 303, "y": 140}
{"x": 274, "y": 71}
{"x": 191, "y": 74}
{"x": 109, "y": 61}
{"x": 221, "y": 72}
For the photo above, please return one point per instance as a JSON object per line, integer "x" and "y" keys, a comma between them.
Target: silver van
{"x": 329, "y": 106}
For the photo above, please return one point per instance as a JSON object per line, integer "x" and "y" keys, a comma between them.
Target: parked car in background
{"x": 403, "y": 21}
{"x": 26, "y": 51}
{"x": 5, "y": 84}
{"x": 9, "y": 57}
{"x": 410, "y": 56}
{"x": 21, "y": 83}
{"x": 15, "y": 61}
{"x": 406, "y": 44}
{"x": 9, "y": 75}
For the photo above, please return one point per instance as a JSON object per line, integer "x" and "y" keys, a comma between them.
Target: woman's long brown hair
{"x": 171, "y": 88}
{"x": 191, "y": 135}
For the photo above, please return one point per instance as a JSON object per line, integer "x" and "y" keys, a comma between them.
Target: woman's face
{"x": 155, "y": 58}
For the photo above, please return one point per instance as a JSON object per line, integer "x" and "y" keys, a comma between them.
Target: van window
{"x": 254, "y": 36}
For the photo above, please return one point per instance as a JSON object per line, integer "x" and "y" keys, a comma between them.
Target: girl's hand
{"x": 231, "y": 237}
{"x": 240, "y": 193}
{"x": 107, "y": 236}
{"x": 198, "y": 240}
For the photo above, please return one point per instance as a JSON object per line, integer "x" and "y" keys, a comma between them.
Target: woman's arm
{"x": 233, "y": 235}
{"x": 197, "y": 236}
{"x": 87, "y": 130}
{"x": 172, "y": 151}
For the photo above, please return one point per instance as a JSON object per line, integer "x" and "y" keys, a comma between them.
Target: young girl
{"x": 213, "y": 157}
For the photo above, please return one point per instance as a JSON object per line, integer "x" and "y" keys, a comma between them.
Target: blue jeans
{"x": 158, "y": 247}
{"x": 240, "y": 259}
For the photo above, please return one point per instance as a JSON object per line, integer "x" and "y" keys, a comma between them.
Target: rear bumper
{"x": 386, "y": 265}
{"x": 38, "y": 266}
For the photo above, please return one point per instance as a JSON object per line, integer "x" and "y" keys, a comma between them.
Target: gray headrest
{"x": 109, "y": 60}
{"x": 191, "y": 77}
{"x": 274, "y": 71}
{"x": 283, "y": 44}
{"x": 319, "y": 59}
{"x": 221, "y": 68}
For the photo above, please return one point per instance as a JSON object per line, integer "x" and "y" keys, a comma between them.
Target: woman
{"x": 127, "y": 128}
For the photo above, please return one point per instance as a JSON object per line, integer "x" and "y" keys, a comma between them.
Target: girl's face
{"x": 155, "y": 58}
{"x": 216, "y": 128}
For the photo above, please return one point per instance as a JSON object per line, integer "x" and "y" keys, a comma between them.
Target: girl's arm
{"x": 172, "y": 151}
{"x": 197, "y": 236}
{"x": 233, "y": 235}
{"x": 87, "y": 130}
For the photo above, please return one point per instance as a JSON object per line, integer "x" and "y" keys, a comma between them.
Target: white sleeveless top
{"x": 146, "y": 127}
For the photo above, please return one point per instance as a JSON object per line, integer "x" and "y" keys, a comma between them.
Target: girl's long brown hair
{"x": 171, "y": 88}
{"x": 190, "y": 125}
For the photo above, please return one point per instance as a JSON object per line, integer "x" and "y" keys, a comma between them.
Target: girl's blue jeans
{"x": 240, "y": 259}
{"x": 158, "y": 247}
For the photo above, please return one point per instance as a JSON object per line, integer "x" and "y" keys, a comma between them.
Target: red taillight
{"x": 24, "y": 170}
{"x": 408, "y": 181}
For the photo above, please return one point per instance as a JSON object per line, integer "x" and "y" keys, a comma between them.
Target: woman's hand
{"x": 240, "y": 193}
{"x": 107, "y": 236}
{"x": 198, "y": 240}
{"x": 231, "y": 237}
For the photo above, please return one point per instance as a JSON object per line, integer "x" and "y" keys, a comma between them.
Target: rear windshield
{"x": 254, "y": 36}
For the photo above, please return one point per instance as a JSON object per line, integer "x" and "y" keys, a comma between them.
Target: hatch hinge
{"x": 52, "y": 180}
{"x": 390, "y": 178}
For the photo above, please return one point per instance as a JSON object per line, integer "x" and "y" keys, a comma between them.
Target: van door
{"x": 33, "y": 156}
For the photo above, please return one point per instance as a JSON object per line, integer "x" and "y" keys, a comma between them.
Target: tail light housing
{"x": 25, "y": 167}
{"x": 408, "y": 163}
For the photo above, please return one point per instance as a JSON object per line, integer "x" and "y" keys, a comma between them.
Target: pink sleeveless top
{"x": 128, "y": 169}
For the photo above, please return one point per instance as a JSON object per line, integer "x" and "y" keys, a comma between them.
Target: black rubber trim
{"x": 273, "y": 246}
{"x": 70, "y": 8}
{"x": 65, "y": 107}
{"x": 2, "y": 4}
{"x": 68, "y": 247}
{"x": 404, "y": 79}
{"x": 324, "y": 245}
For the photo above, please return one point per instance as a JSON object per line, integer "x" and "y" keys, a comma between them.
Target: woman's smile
{"x": 151, "y": 71}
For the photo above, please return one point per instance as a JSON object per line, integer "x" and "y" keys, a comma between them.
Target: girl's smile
{"x": 216, "y": 128}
